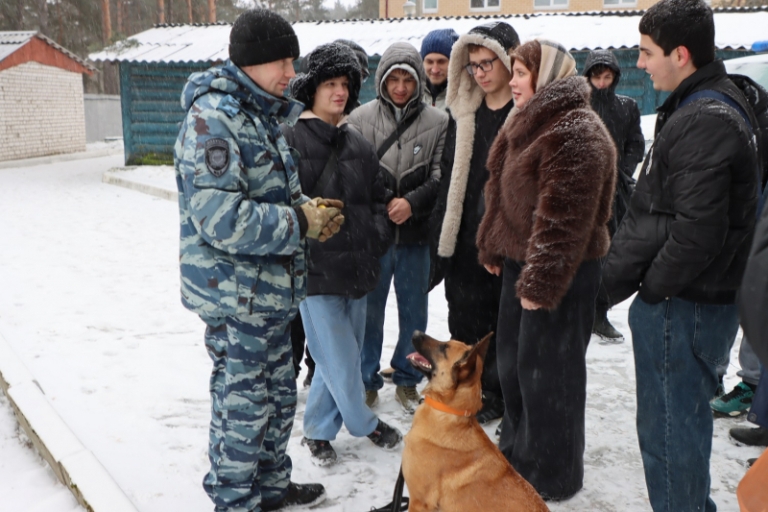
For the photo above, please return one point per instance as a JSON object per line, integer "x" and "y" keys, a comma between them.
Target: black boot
{"x": 603, "y": 328}
{"x": 299, "y": 495}
{"x": 493, "y": 408}
{"x": 322, "y": 452}
{"x": 385, "y": 436}
{"x": 757, "y": 436}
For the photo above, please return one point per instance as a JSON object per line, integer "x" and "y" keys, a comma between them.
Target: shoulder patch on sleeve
{"x": 217, "y": 156}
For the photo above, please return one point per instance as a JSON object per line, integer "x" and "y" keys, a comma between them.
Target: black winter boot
{"x": 602, "y": 328}
{"x": 322, "y": 452}
{"x": 385, "y": 436}
{"x": 757, "y": 436}
{"x": 493, "y": 408}
{"x": 299, "y": 496}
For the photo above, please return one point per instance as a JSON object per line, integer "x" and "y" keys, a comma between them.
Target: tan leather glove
{"x": 324, "y": 218}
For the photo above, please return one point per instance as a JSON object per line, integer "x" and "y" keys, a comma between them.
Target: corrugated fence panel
{"x": 151, "y": 110}
{"x": 152, "y": 93}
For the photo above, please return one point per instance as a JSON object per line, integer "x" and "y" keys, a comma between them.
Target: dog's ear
{"x": 465, "y": 366}
{"x": 482, "y": 346}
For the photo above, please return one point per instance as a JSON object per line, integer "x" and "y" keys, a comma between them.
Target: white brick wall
{"x": 41, "y": 111}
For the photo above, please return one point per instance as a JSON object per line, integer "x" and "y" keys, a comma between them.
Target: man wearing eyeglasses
{"x": 408, "y": 136}
{"x": 479, "y": 100}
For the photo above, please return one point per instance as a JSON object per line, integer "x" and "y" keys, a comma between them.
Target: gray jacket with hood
{"x": 412, "y": 164}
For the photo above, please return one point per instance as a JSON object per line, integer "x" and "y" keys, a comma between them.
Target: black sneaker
{"x": 604, "y": 330}
{"x": 385, "y": 436}
{"x": 493, "y": 409}
{"x": 322, "y": 452}
{"x": 751, "y": 462}
{"x": 498, "y": 430}
{"x": 299, "y": 496}
{"x": 757, "y": 436}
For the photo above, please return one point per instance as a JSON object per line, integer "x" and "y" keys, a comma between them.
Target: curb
{"x": 75, "y": 466}
{"x": 42, "y": 160}
{"x": 113, "y": 177}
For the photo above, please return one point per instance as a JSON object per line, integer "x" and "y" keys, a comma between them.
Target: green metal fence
{"x": 152, "y": 113}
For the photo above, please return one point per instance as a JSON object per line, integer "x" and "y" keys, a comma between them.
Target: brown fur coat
{"x": 550, "y": 190}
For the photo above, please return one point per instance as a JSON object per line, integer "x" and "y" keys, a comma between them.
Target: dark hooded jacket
{"x": 689, "y": 227}
{"x": 347, "y": 263}
{"x": 619, "y": 113}
{"x": 622, "y": 118}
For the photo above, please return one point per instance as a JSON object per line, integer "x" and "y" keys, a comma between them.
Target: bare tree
{"x": 211, "y": 11}
{"x": 42, "y": 16}
{"x": 20, "y": 13}
{"x": 119, "y": 8}
{"x": 106, "y": 22}
{"x": 189, "y": 12}
{"x": 170, "y": 11}
{"x": 161, "y": 11}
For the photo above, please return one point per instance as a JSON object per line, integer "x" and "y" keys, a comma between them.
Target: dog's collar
{"x": 440, "y": 406}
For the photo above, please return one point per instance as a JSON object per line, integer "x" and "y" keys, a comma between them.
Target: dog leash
{"x": 399, "y": 502}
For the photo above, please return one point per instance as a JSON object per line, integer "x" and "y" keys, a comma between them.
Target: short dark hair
{"x": 689, "y": 23}
{"x": 599, "y": 69}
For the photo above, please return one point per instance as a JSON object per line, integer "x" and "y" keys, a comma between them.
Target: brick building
{"x": 432, "y": 8}
{"x": 41, "y": 97}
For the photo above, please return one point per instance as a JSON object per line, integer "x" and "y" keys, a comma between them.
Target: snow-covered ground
{"x": 89, "y": 300}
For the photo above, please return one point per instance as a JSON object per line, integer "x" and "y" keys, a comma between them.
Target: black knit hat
{"x": 501, "y": 32}
{"x": 259, "y": 36}
{"x": 323, "y": 63}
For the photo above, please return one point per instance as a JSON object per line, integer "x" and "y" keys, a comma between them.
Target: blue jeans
{"x": 678, "y": 345}
{"x": 409, "y": 264}
{"x": 334, "y": 326}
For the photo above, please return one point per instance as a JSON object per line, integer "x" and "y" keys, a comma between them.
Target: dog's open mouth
{"x": 420, "y": 362}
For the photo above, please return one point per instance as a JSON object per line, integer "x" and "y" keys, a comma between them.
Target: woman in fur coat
{"x": 547, "y": 201}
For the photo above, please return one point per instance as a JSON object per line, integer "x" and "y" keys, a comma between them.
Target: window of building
{"x": 429, "y": 6}
{"x": 484, "y": 5}
{"x": 619, "y": 3}
{"x": 550, "y": 4}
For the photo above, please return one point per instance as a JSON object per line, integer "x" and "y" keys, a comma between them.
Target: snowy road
{"x": 90, "y": 303}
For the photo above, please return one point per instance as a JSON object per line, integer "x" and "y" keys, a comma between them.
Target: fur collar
{"x": 463, "y": 99}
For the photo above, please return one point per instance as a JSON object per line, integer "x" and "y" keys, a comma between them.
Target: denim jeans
{"x": 409, "y": 264}
{"x": 678, "y": 345}
{"x": 334, "y": 326}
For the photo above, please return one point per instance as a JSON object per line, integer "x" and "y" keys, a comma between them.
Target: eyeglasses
{"x": 485, "y": 65}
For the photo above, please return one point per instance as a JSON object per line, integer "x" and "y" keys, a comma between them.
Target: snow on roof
{"x": 734, "y": 28}
{"x": 12, "y": 41}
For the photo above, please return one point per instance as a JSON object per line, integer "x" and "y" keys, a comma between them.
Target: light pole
{"x": 409, "y": 8}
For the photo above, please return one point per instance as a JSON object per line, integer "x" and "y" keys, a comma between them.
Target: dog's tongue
{"x": 418, "y": 358}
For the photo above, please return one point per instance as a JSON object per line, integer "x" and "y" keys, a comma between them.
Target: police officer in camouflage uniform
{"x": 244, "y": 222}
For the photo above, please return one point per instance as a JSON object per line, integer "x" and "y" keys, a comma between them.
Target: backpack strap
{"x": 715, "y": 95}
{"x": 399, "y": 130}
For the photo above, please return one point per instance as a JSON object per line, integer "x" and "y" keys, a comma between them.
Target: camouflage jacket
{"x": 241, "y": 252}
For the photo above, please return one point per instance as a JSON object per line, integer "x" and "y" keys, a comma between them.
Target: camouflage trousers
{"x": 253, "y": 402}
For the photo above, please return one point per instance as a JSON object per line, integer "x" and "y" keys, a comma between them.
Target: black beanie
{"x": 259, "y": 36}
{"x": 323, "y": 63}
{"x": 501, "y": 32}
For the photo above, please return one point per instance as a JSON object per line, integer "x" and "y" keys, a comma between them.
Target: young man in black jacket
{"x": 683, "y": 245}
{"x": 479, "y": 100}
{"x": 622, "y": 118}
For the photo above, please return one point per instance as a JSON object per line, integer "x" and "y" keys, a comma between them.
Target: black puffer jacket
{"x": 691, "y": 218}
{"x": 619, "y": 114}
{"x": 348, "y": 263}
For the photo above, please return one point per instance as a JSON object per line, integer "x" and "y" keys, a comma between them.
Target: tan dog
{"x": 449, "y": 463}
